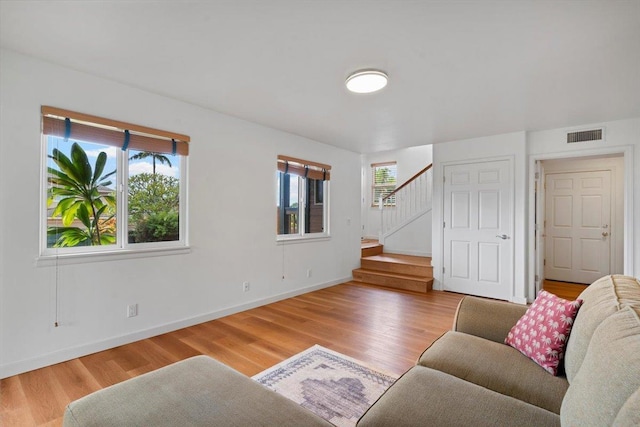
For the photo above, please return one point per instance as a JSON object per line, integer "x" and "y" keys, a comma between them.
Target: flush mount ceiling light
{"x": 366, "y": 81}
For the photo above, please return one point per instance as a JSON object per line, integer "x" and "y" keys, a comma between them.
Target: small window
{"x": 109, "y": 189}
{"x": 303, "y": 189}
{"x": 384, "y": 178}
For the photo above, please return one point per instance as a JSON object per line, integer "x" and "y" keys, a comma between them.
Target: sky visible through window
{"x": 293, "y": 190}
{"x": 135, "y": 166}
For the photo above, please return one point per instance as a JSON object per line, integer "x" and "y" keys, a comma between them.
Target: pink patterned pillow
{"x": 542, "y": 332}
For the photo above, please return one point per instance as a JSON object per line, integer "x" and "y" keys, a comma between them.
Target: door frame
{"x": 511, "y": 160}
{"x": 536, "y": 254}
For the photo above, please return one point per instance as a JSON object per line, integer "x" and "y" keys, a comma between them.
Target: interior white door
{"x": 577, "y": 226}
{"x": 477, "y": 229}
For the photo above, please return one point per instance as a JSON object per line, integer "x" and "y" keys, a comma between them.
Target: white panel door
{"x": 577, "y": 226}
{"x": 477, "y": 229}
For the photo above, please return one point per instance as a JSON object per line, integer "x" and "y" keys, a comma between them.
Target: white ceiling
{"x": 458, "y": 69}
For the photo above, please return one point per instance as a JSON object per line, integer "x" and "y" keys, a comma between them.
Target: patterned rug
{"x": 336, "y": 387}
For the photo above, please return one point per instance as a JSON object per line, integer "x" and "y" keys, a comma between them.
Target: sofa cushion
{"x": 542, "y": 332}
{"x": 195, "y": 392}
{"x": 601, "y": 299}
{"x": 629, "y": 415}
{"x": 427, "y": 397}
{"x": 609, "y": 375}
{"x": 497, "y": 367}
{"x": 487, "y": 318}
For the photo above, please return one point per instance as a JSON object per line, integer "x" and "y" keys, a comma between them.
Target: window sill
{"x": 290, "y": 240}
{"x": 87, "y": 257}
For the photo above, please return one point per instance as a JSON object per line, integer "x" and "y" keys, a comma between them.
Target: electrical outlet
{"x": 309, "y": 272}
{"x": 246, "y": 286}
{"x": 132, "y": 310}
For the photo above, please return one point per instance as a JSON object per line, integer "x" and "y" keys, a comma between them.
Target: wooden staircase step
{"x": 396, "y": 263}
{"x": 371, "y": 249}
{"x": 393, "y": 280}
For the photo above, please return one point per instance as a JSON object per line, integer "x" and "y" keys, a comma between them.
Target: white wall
{"x": 409, "y": 160}
{"x": 412, "y": 239}
{"x": 232, "y": 220}
{"x": 511, "y": 146}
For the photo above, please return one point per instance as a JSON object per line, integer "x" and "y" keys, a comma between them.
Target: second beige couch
{"x": 470, "y": 377}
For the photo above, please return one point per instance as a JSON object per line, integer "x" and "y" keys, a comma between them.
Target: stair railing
{"x": 405, "y": 203}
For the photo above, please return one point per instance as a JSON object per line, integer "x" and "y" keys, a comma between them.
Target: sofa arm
{"x": 485, "y": 318}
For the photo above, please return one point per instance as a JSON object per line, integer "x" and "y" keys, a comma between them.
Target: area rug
{"x": 335, "y": 387}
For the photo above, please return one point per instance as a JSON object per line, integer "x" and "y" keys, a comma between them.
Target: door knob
{"x": 502, "y": 236}
{"x": 605, "y": 234}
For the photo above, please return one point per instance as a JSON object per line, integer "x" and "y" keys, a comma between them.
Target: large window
{"x": 110, "y": 186}
{"x": 384, "y": 178}
{"x": 303, "y": 194}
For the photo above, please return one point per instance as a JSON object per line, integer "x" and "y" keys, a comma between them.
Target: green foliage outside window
{"x": 154, "y": 203}
{"x": 76, "y": 186}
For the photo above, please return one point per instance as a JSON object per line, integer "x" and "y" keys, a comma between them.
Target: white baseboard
{"x": 519, "y": 300}
{"x": 63, "y": 355}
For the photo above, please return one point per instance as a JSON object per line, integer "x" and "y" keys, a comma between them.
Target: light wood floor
{"x": 387, "y": 329}
{"x": 564, "y": 290}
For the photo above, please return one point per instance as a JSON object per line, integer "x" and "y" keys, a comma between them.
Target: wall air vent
{"x": 585, "y": 135}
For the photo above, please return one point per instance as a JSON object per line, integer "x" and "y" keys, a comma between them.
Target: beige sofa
{"x": 468, "y": 377}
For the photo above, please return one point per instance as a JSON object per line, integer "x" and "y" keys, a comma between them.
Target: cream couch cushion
{"x": 601, "y": 299}
{"x": 195, "y": 392}
{"x": 609, "y": 374}
{"x": 497, "y": 367}
{"x": 426, "y": 397}
{"x": 629, "y": 415}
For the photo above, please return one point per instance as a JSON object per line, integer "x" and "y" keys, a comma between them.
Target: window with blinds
{"x": 384, "y": 179}
{"x": 110, "y": 185}
{"x": 303, "y": 193}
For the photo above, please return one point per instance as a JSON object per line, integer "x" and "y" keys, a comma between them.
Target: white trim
{"x": 281, "y": 240}
{"x": 42, "y": 195}
{"x": 85, "y": 349}
{"x": 519, "y": 300}
{"x": 116, "y": 255}
{"x": 628, "y": 242}
{"x": 541, "y": 209}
